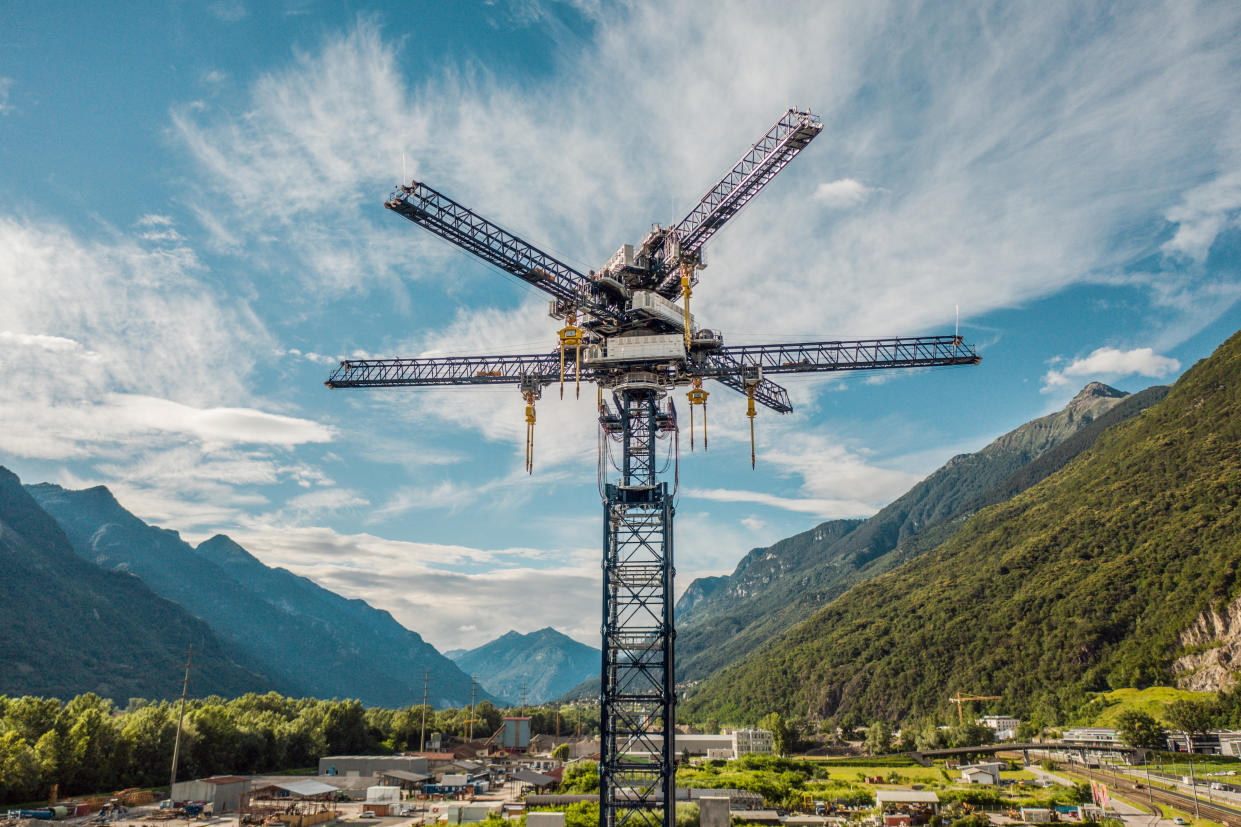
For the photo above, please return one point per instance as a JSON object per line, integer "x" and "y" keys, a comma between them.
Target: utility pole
{"x": 422, "y": 739}
{"x": 176, "y": 745}
{"x": 1150, "y": 797}
{"x": 523, "y": 700}
{"x": 1193, "y": 781}
{"x": 473, "y": 697}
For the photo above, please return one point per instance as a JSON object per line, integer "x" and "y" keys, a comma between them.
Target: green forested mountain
{"x": 68, "y": 626}
{"x": 537, "y": 667}
{"x": 1082, "y": 582}
{"x": 772, "y": 589}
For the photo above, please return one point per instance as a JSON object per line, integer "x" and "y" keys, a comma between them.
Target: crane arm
{"x": 867, "y": 354}
{"x": 540, "y": 368}
{"x": 756, "y": 168}
{"x": 471, "y": 232}
{"x": 728, "y": 370}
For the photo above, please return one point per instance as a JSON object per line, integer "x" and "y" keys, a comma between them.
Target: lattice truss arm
{"x": 729, "y": 364}
{"x": 758, "y": 166}
{"x": 542, "y": 368}
{"x": 492, "y": 243}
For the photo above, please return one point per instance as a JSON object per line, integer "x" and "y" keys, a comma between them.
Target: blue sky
{"x": 192, "y": 234}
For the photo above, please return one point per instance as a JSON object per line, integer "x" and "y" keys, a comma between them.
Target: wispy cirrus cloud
{"x": 1013, "y": 164}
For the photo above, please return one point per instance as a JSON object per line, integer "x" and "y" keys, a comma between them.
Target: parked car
{"x": 368, "y": 814}
{"x": 1180, "y": 822}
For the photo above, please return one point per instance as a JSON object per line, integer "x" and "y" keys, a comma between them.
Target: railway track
{"x": 1227, "y": 816}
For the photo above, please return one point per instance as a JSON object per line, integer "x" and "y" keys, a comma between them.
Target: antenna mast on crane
{"x": 626, "y": 333}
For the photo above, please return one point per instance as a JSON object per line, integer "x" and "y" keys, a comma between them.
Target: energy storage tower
{"x": 624, "y": 331}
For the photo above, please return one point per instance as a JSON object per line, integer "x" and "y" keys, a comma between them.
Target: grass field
{"x": 1150, "y": 700}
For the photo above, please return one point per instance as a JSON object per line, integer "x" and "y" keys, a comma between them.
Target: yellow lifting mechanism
{"x": 687, "y": 272}
{"x": 571, "y": 336}
{"x": 530, "y": 397}
{"x": 697, "y": 396}
{"x": 751, "y": 377}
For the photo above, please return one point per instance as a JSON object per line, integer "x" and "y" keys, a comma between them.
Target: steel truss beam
{"x": 637, "y": 772}
{"x": 867, "y": 354}
{"x": 748, "y": 176}
{"x": 471, "y": 232}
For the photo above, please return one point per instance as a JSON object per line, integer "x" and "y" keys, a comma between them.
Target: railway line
{"x": 1219, "y": 813}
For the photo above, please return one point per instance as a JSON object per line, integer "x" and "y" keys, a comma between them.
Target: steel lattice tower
{"x": 624, "y": 331}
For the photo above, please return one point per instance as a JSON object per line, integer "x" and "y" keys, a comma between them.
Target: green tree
{"x": 1190, "y": 717}
{"x": 580, "y": 778}
{"x": 21, "y": 778}
{"x": 561, "y": 753}
{"x": 1138, "y": 729}
{"x": 970, "y": 734}
{"x": 780, "y": 734}
{"x": 879, "y": 738}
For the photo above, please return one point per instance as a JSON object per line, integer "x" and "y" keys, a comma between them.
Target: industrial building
{"x": 371, "y": 765}
{"x": 223, "y": 793}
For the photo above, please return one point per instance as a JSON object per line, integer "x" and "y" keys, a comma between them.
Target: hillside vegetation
{"x": 1081, "y": 582}
{"x": 723, "y": 619}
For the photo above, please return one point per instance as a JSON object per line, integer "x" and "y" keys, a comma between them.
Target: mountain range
{"x": 280, "y": 631}
{"x": 70, "y": 626}
{"x": 537, "y": 667}
{"x": 1114, "y": 563}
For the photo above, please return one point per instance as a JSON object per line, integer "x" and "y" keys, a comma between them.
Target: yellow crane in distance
{"x": 960, "y": 700}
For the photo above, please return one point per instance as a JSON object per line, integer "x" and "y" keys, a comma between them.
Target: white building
{"x": 1005, "y": 726}
{"x": 988, "y": 773}
{"x": 756, "y": 741}
{"x": 1092, "y": 737}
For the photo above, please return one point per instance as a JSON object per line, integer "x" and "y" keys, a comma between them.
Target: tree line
{"x": 88, "y": 745}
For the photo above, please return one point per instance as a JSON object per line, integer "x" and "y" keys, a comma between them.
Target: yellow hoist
{"x": 530, "y": 397}
{"x": 571, "y": 336}
{"x": 751, "y": 377}
{"x": 687, "y": 273}
{"x": 697, "y": 396}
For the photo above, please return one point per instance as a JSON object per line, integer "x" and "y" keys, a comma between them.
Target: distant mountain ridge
{"x": 1096, "y": 576}
{"x": 541, "y": 665}
{"x": 314, "y": 641}
{"x": 68, "y": 626}
{"x": 773, "y": 588}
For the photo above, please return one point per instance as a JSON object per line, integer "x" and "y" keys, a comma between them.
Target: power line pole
{"x": 422, "y": 739}
{"x": 473, "y": 698}
{"x": 176, "y": 745}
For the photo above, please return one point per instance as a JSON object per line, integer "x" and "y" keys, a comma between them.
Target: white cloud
{"x": 1203, "y": 213}
{"x": 406, "y": 577}
{"x": 1109, "y": 361}
{"x": 215, "y": 425}
{"x": 229, "y": 11}
{"x": 819, "y": 507}
{"x": 6, "y": 84}
{"x": 56, "y": 344}
{"x": 842, "y": 194}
